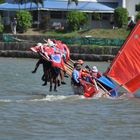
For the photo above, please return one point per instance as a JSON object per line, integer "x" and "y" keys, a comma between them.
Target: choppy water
{"x": 29, "y": 112}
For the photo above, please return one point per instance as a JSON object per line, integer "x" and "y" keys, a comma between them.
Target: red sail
{"x": 125, "y": 68}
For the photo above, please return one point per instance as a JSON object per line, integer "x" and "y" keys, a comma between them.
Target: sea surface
{"x": 28, "y": 111}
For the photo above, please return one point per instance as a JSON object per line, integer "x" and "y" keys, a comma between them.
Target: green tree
{"x": 138, "y": 16}
{"x": 76, "y": 19}
{"x": 2, "y": 1}
{"x": 1, "y": 25}
{"x": 121, "y": 17}
{"x": 24, "y": 20}
{"x": 138, "y": 7}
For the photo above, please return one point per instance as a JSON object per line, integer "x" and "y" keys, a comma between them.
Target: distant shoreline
{"x": 19, "y": 46}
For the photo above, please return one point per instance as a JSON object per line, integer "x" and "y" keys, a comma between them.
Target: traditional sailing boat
{"x": 124, "y": 69}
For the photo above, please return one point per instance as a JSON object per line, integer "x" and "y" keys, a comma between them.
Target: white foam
{"x": 52, "y": 98}
{"x": 62, "y": 97}
{"x": 49, "y": 98}
{"x": 5, "y": 100}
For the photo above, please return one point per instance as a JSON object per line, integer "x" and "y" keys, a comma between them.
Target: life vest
{"x": 96, "y": 74}
{"x": 84, "y": 72}
{"x": 88, "y": 89}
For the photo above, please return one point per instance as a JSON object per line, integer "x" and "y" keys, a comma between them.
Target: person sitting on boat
{"x": 87, "y": 83}
{"x": 76, "y": 74}
{"x": 85, "y": 75}
{"x": 87, "y": 68}
{"x": 95, "y": 72}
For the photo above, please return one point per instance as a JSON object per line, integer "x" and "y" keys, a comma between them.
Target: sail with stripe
{"x": 125, "y": 68}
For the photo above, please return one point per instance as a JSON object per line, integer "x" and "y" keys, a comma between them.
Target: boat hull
{"x": 103, "y": 86}
{"x": 78, "y": 90}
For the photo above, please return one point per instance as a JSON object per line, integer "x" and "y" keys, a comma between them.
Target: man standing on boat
{"x": 76, "y": 74}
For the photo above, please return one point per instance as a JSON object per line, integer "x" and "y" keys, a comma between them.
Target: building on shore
{"x": 132, "y": 7}
{"x": 100, "y": 12}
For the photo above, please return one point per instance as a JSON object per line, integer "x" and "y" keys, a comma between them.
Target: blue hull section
{"x": 108, "y": 84}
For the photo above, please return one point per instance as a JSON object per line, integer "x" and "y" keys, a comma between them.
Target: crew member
{"x": 46, "y": 64}
{"x": 76, "y": 74}
{"x": 95, "y": 72}
{"x": 80, "y": 61}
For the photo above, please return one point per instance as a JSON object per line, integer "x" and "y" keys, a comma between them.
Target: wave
{"x": 59, "y": 97}
{"x": 49, "y": 98}
{"x": 53, "y": 98}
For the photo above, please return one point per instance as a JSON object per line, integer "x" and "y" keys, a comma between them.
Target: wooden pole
{"x": 106, "y": 91}
{"x": 72, "y": 61}
{"x": 68, "y": 70}
{"x": 70, "y": 65}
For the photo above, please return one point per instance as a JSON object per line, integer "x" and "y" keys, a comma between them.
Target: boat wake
{"x": 49, "y": 98}
{"x": 54, "y": 98}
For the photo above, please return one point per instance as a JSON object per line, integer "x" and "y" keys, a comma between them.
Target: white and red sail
{"x": 125, "y": 68}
